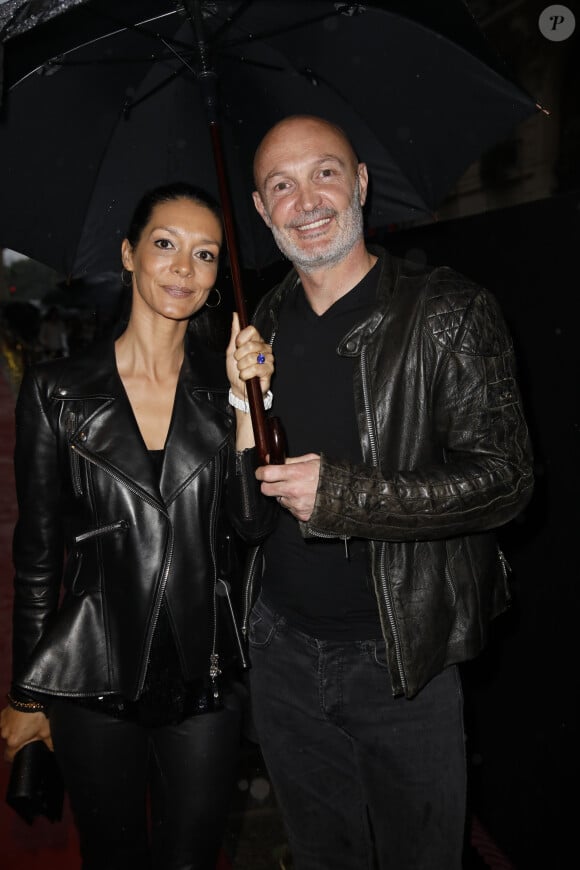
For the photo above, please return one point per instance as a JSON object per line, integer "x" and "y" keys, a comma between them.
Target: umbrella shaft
{"x": 229, "y": 227}
{"x": 269, "y": 440}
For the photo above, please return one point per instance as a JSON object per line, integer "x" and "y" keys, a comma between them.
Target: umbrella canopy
{"x": 102, "y": 101}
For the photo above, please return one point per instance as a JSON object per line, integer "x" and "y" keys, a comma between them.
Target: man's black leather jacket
{"x": 87, "y": 487}
{"x": 446, "y": 459}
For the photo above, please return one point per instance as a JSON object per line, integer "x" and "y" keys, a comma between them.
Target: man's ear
{"x": 363, "y": 178}
{"x": 261, "y": 209}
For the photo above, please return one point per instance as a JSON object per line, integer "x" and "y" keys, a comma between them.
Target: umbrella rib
{"x": 129, "y": 106}
{"x": 122, "y": 26}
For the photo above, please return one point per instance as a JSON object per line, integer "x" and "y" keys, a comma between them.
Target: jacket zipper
{"x": 249, "y": 587}
{"x": 102, "y": 530}
{"x": 168, "y": 557}
{"x": 505, "y": 565}
{"x": 75, "y": 469}
{"x": 245, "y": 496}
{"x": 331, "y": 536}
{"x": 450, "y": 584}
{"x": 214, "y": 668}
{"x": 383, "y": 546}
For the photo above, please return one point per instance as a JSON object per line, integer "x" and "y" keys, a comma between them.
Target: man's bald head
{"x": 301, "y": 126}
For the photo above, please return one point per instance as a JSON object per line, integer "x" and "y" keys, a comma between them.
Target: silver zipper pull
{"x": 214, "y": 670}
{"x": 505, "y": 565}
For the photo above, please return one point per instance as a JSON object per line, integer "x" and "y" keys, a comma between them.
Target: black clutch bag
{"x": 35, "y": 787}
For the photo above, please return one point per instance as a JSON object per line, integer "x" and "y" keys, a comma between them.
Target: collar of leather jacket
{"x": 94, "y": 373}
{"x": 101, "y": 425}
{"x": 391, "y": 271}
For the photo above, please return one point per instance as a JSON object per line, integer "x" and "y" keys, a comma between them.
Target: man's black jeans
{"x": 363, "y": 780}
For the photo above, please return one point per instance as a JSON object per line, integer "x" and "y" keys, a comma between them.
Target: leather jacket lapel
{"x": 101, "y": 425}
{"x": 104, "y": 430}
{"x": 200, "y": 424}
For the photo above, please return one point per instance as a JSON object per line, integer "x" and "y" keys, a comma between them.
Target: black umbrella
{"x": 105, "y": 100}
{"x": 102, "y": 101}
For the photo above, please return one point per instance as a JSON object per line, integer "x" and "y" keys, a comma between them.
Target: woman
{"x": 124, "y": 458}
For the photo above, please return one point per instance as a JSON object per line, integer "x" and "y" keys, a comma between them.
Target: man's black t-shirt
{"x": 311, "y": 581}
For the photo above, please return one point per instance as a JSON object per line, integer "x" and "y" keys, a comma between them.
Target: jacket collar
{"x": 105, "y": 430}
{"x": 353, "y": 342}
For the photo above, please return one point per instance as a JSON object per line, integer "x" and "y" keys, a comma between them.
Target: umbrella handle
{"x": 278, "y": 450}
{"x": 269, "y": 436}
{"x": 268, "y": 431}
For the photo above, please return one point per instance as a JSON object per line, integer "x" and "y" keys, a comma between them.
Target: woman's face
{"x": 175, "y": 261}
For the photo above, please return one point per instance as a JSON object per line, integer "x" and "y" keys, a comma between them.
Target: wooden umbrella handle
{"x": 277, "y": 441}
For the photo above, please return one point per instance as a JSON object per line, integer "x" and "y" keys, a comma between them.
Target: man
{"x": 395, "y": 385}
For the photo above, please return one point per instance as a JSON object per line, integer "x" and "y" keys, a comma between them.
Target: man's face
{"x": 310, "y": 193}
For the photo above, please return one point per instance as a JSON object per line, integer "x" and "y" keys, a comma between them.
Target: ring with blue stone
{"x": 261, "y": 359}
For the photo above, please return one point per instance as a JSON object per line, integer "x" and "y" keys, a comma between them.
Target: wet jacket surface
{"x": 101, "y": 538}
{"x": 446, "y": 460}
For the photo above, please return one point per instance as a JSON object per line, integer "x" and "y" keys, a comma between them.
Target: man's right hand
{"x": 19, "y": 728}
{"x": 294, "y": 484}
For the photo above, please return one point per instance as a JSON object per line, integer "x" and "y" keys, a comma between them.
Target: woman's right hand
{"x": 242, "y": 354}
{"x": 19, "y": 728}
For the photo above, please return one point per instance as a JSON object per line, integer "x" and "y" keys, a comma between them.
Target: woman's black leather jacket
{"x": 88, "y": 496}
{"x": 446, "y": 459}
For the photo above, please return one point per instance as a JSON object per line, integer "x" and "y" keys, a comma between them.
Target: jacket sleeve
{"x": 482, "y": 474}
{"x": 252, "y": 514}
{"x": 38, "y": 536}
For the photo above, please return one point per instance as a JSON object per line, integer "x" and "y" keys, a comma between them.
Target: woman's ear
{"x": 127, "y": 255}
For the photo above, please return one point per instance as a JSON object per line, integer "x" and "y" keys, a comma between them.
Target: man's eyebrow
{"x": 324, "y": 158}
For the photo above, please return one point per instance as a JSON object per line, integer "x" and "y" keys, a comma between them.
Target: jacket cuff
{"x": 327, "y": 516}
{"x": 252, "y": 514}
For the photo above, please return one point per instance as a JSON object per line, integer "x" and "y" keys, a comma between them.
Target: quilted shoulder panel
{"x": 463, "y": 317}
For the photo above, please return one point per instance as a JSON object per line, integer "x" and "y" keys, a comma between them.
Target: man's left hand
{"x": 293, "y": 484}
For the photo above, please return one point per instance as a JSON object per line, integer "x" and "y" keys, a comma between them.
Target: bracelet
{"x": 243, "y": 404}
{"x": 25, "y": 706}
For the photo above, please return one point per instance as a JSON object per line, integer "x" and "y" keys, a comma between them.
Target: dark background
{"x": 514, "y": 227}
{"x": 521, "y": 694}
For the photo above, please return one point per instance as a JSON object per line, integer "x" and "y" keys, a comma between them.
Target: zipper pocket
{"x": 120, "y": 525}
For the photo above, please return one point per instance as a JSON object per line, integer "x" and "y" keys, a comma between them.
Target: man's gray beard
{"x": 351, "y": 231}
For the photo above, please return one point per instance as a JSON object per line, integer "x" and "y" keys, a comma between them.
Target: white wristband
{"x": 243, "y": 404}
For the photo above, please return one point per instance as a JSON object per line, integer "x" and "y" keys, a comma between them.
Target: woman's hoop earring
{"x": 215, "y": 290}
{"x": 126, "y": 273}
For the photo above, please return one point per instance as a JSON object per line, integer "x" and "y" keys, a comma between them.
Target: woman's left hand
{"x": 244, "y": 350}
{"x": 19, "y": 728}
